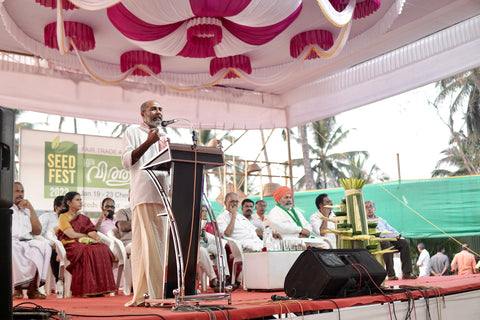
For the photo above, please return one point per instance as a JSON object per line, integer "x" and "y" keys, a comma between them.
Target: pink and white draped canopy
{"x": 224, "y": 31}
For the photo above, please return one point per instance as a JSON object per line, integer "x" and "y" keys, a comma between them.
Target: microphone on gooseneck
{"x": 168, "y": 122}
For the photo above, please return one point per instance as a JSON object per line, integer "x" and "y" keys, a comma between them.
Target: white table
{"x": 267, "y": 270}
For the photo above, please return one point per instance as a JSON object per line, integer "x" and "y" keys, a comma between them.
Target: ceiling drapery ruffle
{"x": 239, "y": 62}
{"x": 66, "y": 5}
{"x": 132, "y": 59}
{"x": 228, "y": 31}
{"x": 81, "y": 35}
{"x": 362, "y": 8}
{"x": 218, "y": 18}
{"x": 323, "y": 38}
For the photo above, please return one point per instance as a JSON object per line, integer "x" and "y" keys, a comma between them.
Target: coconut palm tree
{"x": 328, "y": 166}
{"x": 459, "y": 162}
{"x": 308, "y": 177}
{"x": 358, "y": 169}
{"x": 461, "y": 87}
{"x": 463, "y": 153}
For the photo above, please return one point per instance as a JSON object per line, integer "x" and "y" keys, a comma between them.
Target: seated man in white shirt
{"x": 49, "y": 222}
{"x": 30, "y": 257}
{"x": 236, "y": 226}
{"x": 319, "y": 220}
{"x": 247, "y": 210}
{"x": 207, "y": 241}
{"x": 285, "y": 219}
{"x": 260, "y": 209}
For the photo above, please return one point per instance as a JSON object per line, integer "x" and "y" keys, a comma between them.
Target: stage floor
{"x": 255, "y": 304}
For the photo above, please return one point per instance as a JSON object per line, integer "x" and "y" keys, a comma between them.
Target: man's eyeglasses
{"x": 233, "y": 201}
{"x": 109, "y": 207}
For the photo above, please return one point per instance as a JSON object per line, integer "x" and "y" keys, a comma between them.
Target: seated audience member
{"x": 319, "y": 219}
{"x": 423, "y": 261}
{"x": 284, "y": 219}
{"x": 90, "y": 260}
{"x": 207, "y": 240}
{"x": 205, "y": 265}
{"x": 49, "y": 221}
{"x": 105, "y": 222}
{"x": 464, "y": 262}
{"x": 439, "y": 263}
{"x": 247, "y": 210}
{"x": 30, "y": 257}
{"x": 401, "y": 245}
{"x": 123, "y": 222}
{"x": 236, "y": 226}
{"x": 260, "y": 209}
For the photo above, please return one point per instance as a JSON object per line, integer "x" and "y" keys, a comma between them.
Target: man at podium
{"x": 149, "y": 231}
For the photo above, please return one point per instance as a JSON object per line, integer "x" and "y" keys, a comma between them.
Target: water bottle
{"x": 268, "y": 239}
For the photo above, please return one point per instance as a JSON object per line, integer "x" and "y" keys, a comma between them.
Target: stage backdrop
{"x": 54, "y": 163}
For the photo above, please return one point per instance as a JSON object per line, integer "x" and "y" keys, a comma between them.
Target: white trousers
{"x": 149, "y": 246}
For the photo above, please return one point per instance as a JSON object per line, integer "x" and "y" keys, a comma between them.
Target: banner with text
{"x": 53, "y": 163}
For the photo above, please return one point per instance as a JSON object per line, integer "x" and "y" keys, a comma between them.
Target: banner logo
{"x": 61, "y": 167}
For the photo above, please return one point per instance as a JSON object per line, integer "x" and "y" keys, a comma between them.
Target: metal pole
{"x": 398, "y": 166}
{"x": 290, "y": 162}
{"x": 246, "y": 178}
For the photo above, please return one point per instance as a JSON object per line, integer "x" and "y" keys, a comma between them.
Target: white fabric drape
{"x": 93, "y": 5}
{"x": 338, "y": 19}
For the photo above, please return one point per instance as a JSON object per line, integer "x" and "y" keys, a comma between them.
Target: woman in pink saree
{"x": 90, "y": 260}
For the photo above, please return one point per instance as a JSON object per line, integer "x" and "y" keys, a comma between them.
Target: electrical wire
{"x": 60, "y": 315}
{"x": 338, "y": 307}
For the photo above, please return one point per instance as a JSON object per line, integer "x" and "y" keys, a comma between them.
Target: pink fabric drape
{"x": 259, "y": 35}
{"x": 237, "y": 62}
{"x": 134, "y": 28}
{"x": 218, "y": 8}
{"x": 362, "y": 8}
{"x": 134, "y": 58}
{"x": 199, "y": 47}
{"x": 81, "y": 34}
{"x": 66, "y": 5}
{"x": 323, "y": 38}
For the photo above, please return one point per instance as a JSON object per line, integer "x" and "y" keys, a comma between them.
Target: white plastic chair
{"x": 62, "y": 274}
{"x": 238, "y": 258}
{"x": 118, "y": 250}
{"x": 126, "y": 264}
{"x": 49, "y": 281}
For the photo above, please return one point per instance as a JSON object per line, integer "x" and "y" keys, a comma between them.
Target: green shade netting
{"x": 451, "y": 204}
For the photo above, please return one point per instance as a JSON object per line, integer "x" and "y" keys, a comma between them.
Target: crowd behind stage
{"x": 250, "y": 224}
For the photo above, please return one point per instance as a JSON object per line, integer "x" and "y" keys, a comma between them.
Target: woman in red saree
{"x": 90, "y": 260}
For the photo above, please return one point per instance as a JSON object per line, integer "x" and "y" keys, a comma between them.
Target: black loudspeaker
{"x": 7, "y": 169}
{"x": 334, "y": 273}
{"x": 7, "y": 150}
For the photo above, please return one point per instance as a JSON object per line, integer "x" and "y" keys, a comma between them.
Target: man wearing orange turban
{"x": 284, "y": 219}
{"x": 280, "y": 192}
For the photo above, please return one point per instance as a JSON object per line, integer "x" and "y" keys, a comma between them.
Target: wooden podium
{"x": 186, "y": 165}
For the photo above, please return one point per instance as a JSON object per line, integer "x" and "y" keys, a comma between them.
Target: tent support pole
{"x": 290, "y": 161}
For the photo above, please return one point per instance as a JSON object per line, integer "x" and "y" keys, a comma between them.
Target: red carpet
{"x": 245, "y": 304}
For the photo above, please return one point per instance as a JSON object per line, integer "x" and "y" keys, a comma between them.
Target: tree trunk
{"x": 309, "y": 185}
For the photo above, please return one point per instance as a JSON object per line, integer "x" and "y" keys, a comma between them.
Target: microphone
{"x": 168, "y": 122}
{"x": 279, "y": 298}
